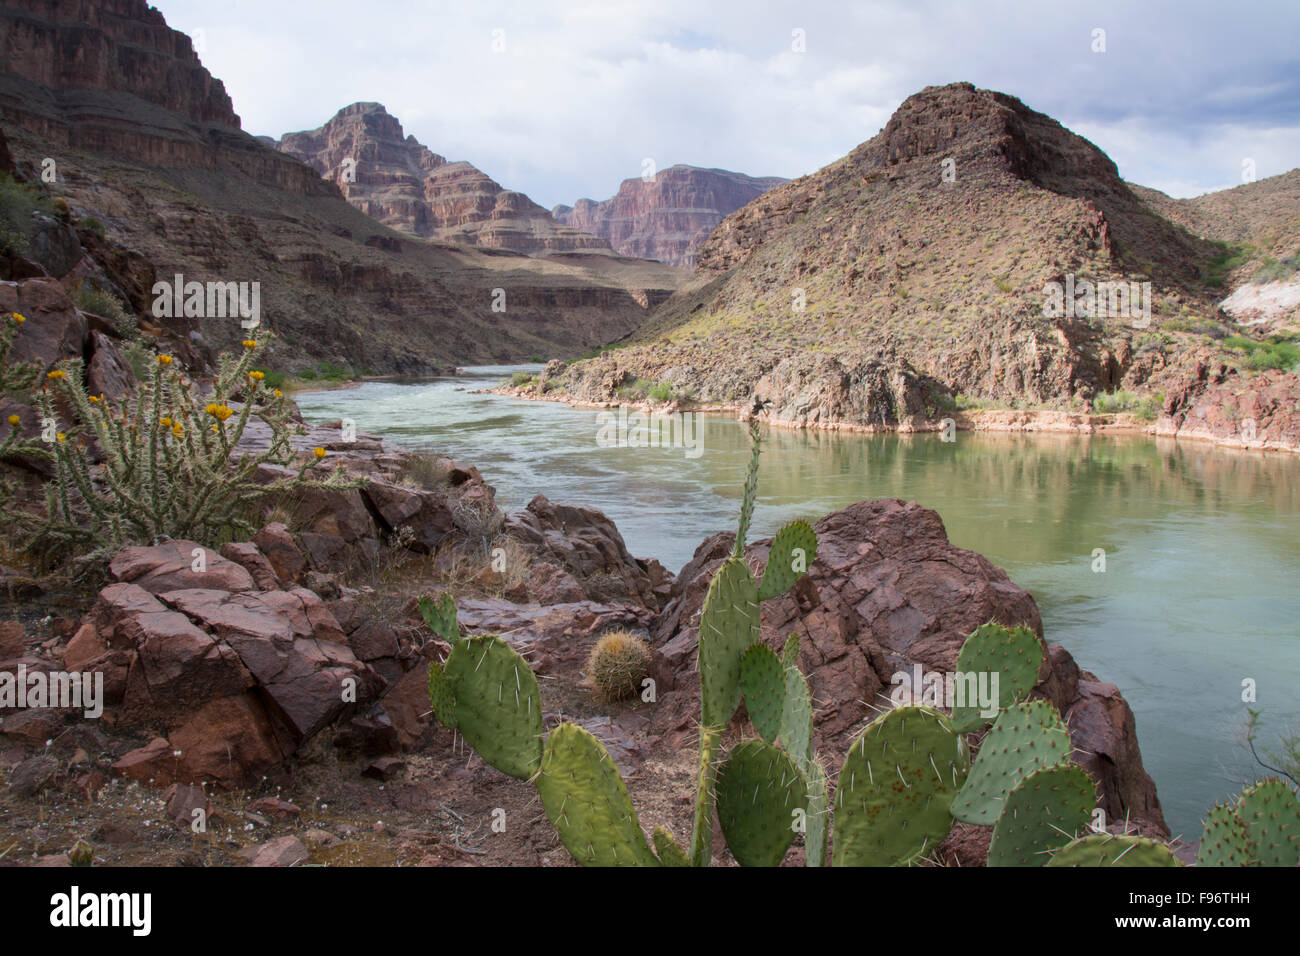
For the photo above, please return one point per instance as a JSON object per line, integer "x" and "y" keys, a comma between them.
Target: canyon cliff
{"x": 145, "y": 144}
{"x": 877, "y": 290}
{"x": 391, "y": 177}
{"x": 666, "y": 216}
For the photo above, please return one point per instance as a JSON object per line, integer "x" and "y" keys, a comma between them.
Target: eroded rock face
{"x": 232, "y": 675}
{"x": 577, "y": 554}
{"x": 668, "y": 216}
{"x": 889, "y": 591}
{"x": 1216, "y": 404}
{"x": 393, "y": 178}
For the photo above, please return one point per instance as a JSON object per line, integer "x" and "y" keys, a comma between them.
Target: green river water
{"x": 1202, "y": 545}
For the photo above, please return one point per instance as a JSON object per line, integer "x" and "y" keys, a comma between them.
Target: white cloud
{"x": 585, "y": 90}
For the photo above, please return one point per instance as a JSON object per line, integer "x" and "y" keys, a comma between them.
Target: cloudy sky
{"x": 566, "y": 99}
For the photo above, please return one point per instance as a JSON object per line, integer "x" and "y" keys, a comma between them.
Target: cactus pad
{"x": 670, "y": 854}
{"x": 498, "y": 711}
{"x": 1271, "y": 814}
{"x": 1015, "y": 654}
{"x": 728, "y": 628}
{"x": 587, "y": 802}
{"x": 762, "y": 684}
{"x": 442, "y": 696}
{"x": 793, "y": 551}
{"x": 1224, "y": 839}
{"x": 1028, "y": 736}
{"x": 897, "y": 782}
{"x": 814, "y": 838}
{"x": 440, "y": 616}
{"x": 1105, "y": 849}
{"x": 790, "y": 653}
{"x": 759, "y": 790}
{"x": 797, "y": 717}
{"x": 1046, "y": 811}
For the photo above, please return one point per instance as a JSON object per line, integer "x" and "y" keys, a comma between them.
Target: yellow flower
{"x": 93, "y": 398}
{"x": 57, "y": 373}
{"x": 250, "y": 344}
{"x": 319, "y": 452}
{"x": 278, "y": 393}
{"x": 178, "y": 430}
{"x": 257, "y": 376}
{"x": 62, "y": 437}
{"x": 164, "y": 360}
{"x": 20, "y": 319}
{"x": 165, "y": 422}
{"x": 14, "y": 420}
{"x": 219, "y": 412}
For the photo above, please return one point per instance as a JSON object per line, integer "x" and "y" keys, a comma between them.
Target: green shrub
{"x": 170, "y": 462}
{"x": 93, "y": 225}
{"x": 520, "y": 379}
{"x": 1146, "y": 407}
{"x": 17, "y": 203}
{"x": 661, "y": 392}
{"x": 1276, "y": 352}
{"x": 90, "y": 299}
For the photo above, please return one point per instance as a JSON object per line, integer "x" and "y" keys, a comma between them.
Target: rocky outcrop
{"x": 887, "y": 592}
{"x": 576, "y": 553}
{"x": 668, "y": 215}
{"x": 144, "y": 141}
{"x": 391, "y": 177}
{"x": 1219, "y": 405}
{"x": 113, "y": 77}
{"x": 936, "y": 241}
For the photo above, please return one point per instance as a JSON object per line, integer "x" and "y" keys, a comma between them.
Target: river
{"x": 1201, "y": 587}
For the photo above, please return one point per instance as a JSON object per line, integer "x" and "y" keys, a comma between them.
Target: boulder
{"x": 889, "y": 591}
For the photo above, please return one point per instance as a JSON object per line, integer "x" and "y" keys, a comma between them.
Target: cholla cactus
{"x": 19, "y": 376}
{"x": 171, "y": 465}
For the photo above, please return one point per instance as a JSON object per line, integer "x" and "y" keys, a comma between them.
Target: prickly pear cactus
{"x": 442, "y": 696}
{"x": 790, "y": 653}
{"x": 1104, "y": 849}
{"x": 440, "y": 616}
{"x": 670, "y": 854}
{"x": 587, "y": 802}
{"x": 814, "y": 838}
{"x": 793, "y": 551}
{"x": 760, "y": 794}
{"x": 1015, "y": 654}
{"x": 498, "y": 710}
{"x": 1271, "y": 814}
{"x": 895, "y": 788}
{"x": 728, "y": 628}
{"x": 763, "y": 687}
{"x": 1224, "y": 840}
{"x": 1047, "y": 810}
{"x": 1028, "y": 736}
{"x": 797, "y": 717}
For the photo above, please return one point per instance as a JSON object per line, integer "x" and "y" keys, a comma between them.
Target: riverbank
{"x": 1260, "y": 414}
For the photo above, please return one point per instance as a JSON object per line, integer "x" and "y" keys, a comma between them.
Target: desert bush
{"x": 1146, "y": 407}
{"x": 89, "y": 299}
{"x": 168, "y": 460}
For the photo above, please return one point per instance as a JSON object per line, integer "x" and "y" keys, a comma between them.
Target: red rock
{"x": 888, "y": 591}
{"x": 13, "y": 641}
{"x": 283, "y": 851}
{"x": 229, "y": 741}
{"x": 89, "y": 784}
{"x": 277, "y": 544}
{"x": 385, "y": 768}
{"x": 182, "y": 802}
{"x": 275, "y": 807}
{"x": 248, "y": 556}
{"x": 669, "y": 215}
{"x": 403, "y": 185}
{"x": 169, "y": 566}
{"x": 32, "y": 728}
{"x": 153, "y": 763}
